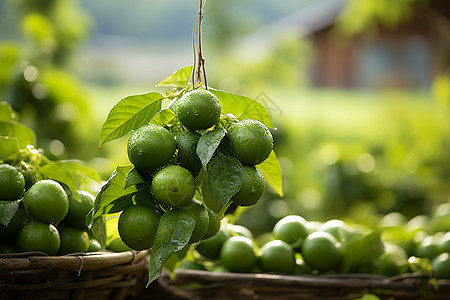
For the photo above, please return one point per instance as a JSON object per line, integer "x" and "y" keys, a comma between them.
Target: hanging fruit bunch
{"x": 190, "y": 161}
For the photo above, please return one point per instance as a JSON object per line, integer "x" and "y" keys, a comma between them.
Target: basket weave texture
{"x": 194, "y": 285}
{"x": 96, "y": 275}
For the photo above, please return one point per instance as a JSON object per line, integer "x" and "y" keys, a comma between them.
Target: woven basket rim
{"x": 403, "y": 281}
{"x": 75, "y": 261}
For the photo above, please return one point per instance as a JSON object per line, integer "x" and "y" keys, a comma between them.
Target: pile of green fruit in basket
{"x": 298, "y": 246}
{"x": 43, "y": 206}
{"x": 200, "y": 157}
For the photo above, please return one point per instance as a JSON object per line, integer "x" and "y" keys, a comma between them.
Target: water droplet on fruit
{"x": 174, "y": 189}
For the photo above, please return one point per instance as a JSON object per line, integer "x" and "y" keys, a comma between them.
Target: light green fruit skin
{"x": 40, "y": 236}
{"x": 429, "y": 247}
{"x": 337, "y": 228}
{"x": 73, "y": 240}
{"x": 291, "y": 229}
{"x": 320, "y": 251}
{"x": 445, "y": 242}
{"x": 214, "y": 224}
{"x": 252, "y": 188}
{"x": 240, "y": 230}
{"x": 8, "y": 191}
{"x": 77, "y": 208}
{"x": 210, "y": 248}
{"x": 246, "y": 136}
{"x": 392, "y": 262}
{"x": 200, "y": 214}
{"x": 238, "y": 254}
{"x": 51, "y": 195}
{"x": 150, "y": 147}
{"x": 94, "y": 245}
{"x": 441, "y": 265}
{"x": 277, "y": 256}
{"x": 139, "y": 214}
{"x": 117, "y": 245}
{"x": 198, "y": 109}
{"x": 170, "y": 190}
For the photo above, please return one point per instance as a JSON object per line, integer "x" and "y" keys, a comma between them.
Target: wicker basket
{"x": 193, "y": 284}
{"x": 97, "y": 275}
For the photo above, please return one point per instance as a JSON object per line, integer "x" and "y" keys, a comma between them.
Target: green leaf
{"x": 272, "y": 173}
{"x": 7, "y": 210}
{"x": 173, "y": 234}
{"x": 144, "y": 196}
{"x": 224, "y": 177}
{"x": 133, "y": 178}
{"x": 113, "y": 191}
{"x": 6, "y": 112}
{"x": 119, "y": 204}
{"x": 243, "y": 107}
{"x": 163, "y": 117}
{"x": 179, "y": 78}
{"x": 58, "y": 172}
{"x": 208, "y": 198}
{"x": 129, "y": 114}
{"x": 24, "y": 135}
{"x": 175, "y": 258}
{"x": 78, "y": 169}
{"x": 8, "y": 146}
{"x": 70, "y": 173}
{"x": 208, "y": 143}
{"x": 97, "y": 226}
{"x": 364, "y": 249}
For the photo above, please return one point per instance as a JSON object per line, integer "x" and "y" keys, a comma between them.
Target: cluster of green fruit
{"x": 168, "y": 162}
{"x": 297, "y": 246}
{"x": 48, "y": 217}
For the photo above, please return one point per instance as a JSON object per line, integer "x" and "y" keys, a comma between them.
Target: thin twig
{"x": 199, "y": 61}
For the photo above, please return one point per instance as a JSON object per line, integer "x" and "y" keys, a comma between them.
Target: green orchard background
{"x": 355, "y": 153}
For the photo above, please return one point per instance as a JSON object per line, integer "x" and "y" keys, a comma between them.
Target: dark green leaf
{"x": 113, "y": 190}
{"x": 129, "y": 114}
{"x": 224, "y": 177}
{"x": 163, "y": 117}
{"x": 179, "y": 78}
{"x": 133, "y": 178}
{"x": 6, "y": 112}
{"x": 174, "y": 231}
{"x": 144, "y": 196}
{"x": 272, "y": 173}
{"x": 8, "y": 146}
{"x": 243, "y": 107}
{"x": 119, "y": 204}
{"x": 208, "y": 198}
{"x": 361, "y": 250}
{"x": 7, "y": 210}
{"x": 24, "y": 135}
{"x": 208, "y": 143}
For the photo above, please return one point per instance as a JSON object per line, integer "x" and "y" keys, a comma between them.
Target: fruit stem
{"x": 199, "y": 66}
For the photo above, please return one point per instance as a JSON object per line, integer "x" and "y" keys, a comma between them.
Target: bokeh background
{"x": 359, "y": 90}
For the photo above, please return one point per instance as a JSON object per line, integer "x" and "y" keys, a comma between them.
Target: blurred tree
{"x": 374, "y": 13}
{"x": 34, "y": 79}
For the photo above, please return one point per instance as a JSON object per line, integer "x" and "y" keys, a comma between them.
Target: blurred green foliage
{"x": 358, "y": 156}
{"x": 34, "y": 74}
{"x": 371, "y": 14}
